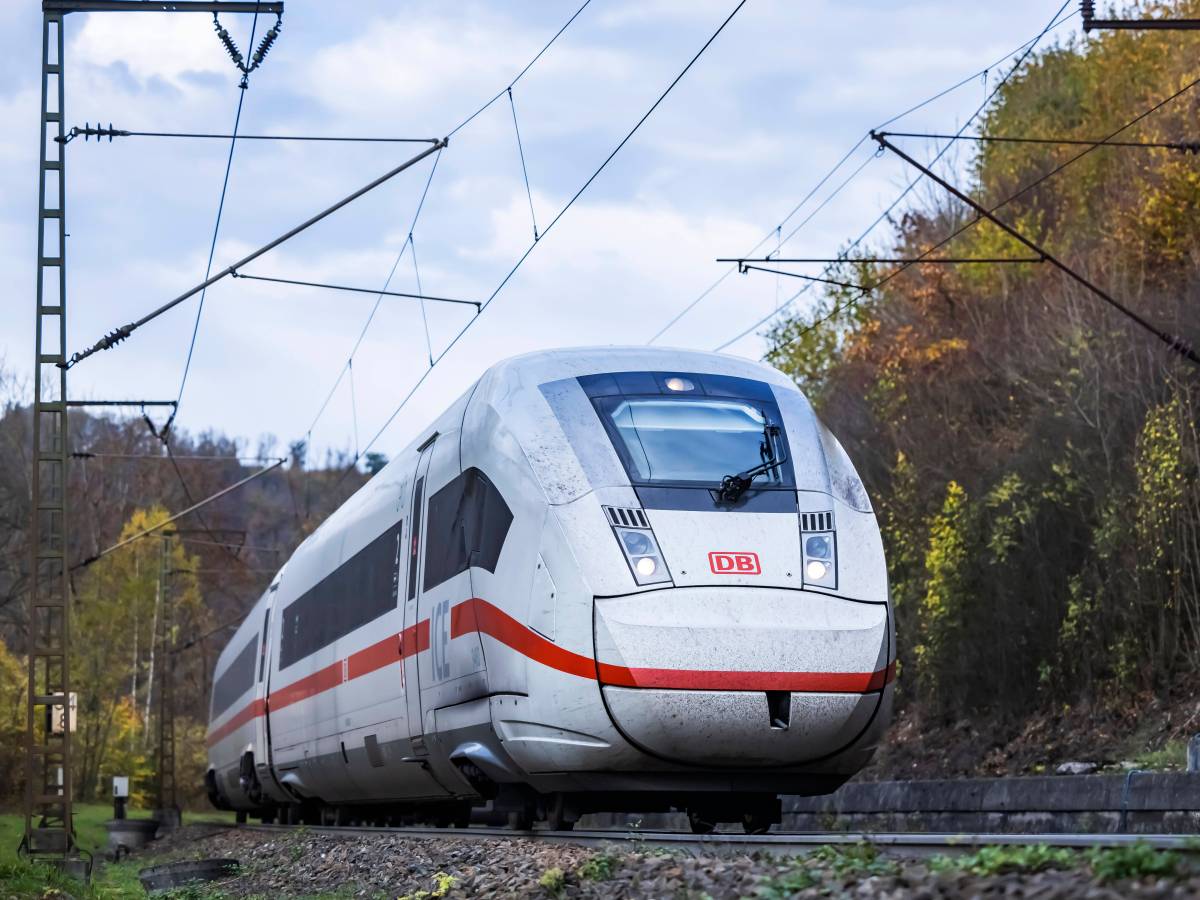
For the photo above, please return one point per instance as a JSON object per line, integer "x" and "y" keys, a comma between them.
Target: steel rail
{"x": 910, "y": 844}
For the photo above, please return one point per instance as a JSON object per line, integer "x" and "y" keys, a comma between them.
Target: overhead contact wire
{"x": 212, "y": 248}
{"x": 524, "y": 170}
{"x": 1033, "y": 184}
{"x": 1056, "y": 22}
{"x": 421, "y": 204}
{"x": 687, "y": 309}
{"x": 1028, "y": 48}
{"x": 454, "y": 341}
{"x": 379, "y": 299}
{"x": 521, "y": 74}
{"x": 424, "y": 318}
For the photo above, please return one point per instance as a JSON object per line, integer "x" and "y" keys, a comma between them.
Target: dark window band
{"x": 235, "y": 680}
{"x": 360, "y": 590}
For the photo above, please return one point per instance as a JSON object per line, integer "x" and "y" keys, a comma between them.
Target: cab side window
{"x": 467, "y": 525}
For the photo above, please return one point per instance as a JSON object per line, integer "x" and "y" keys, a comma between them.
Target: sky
{"x": 778, "y": 98}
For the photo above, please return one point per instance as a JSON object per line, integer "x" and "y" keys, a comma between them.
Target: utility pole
{"x": 49, "y": 835}
{"x": 166, "y": 807}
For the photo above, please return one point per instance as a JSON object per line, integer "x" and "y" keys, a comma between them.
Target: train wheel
{"x": 700, "y": 824}
{"x": 556, "y": 815}
{"x": 756, "y": 823}
{"x": 520, "y": 821}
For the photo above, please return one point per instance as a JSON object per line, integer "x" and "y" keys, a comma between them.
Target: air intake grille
{"x": 816, "y": 521}
{"x": 627, "y": 516}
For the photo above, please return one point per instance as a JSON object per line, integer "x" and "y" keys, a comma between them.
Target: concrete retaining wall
{"x": 1141, "y": 803}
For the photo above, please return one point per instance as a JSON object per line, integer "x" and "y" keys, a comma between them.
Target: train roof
{"x": 532, "y": 369}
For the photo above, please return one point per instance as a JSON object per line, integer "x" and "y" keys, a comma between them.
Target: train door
{"x": 263, "y": 762}
{"x": 415, "y": 637}
{"x": 453, "y": 671}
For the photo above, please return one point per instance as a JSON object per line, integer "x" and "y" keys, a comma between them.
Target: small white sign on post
{"x": 60, "y": 721}
{"x": 120, "y": 785}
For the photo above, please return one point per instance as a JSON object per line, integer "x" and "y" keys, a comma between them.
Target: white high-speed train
{"x": 620, "y": 579}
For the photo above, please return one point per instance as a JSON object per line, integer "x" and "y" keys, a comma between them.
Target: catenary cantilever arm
{"x": 1177, "y": 343}
{"x": 119, "y": 334}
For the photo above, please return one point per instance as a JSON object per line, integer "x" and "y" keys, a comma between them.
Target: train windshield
{"x": 693, "y": 439}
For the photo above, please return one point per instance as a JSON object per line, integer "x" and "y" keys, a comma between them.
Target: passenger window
{"x": 361, "y": 589}
{"x": 235, "y": 680}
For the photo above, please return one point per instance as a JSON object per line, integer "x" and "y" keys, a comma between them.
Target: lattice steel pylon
{"x": 167, "y": 802}
{"x": 49, "y": 833}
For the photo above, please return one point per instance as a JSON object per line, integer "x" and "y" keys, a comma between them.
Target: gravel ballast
{"x": 306, "y": 864}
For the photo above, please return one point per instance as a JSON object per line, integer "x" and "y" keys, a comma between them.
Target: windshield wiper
{"x": 733, "y": 486}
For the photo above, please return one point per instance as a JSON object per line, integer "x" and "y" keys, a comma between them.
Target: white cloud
{"x": 170, "y": 48}
{"x": 442, "y": 66}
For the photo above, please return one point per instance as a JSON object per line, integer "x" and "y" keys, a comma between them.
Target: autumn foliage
{"x": 1033, "y": 455}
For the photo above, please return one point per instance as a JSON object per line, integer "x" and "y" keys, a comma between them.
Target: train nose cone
{"x": 732, "y": 677}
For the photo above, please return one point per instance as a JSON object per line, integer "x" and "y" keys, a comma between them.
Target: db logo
{"x": 734, "y": 563}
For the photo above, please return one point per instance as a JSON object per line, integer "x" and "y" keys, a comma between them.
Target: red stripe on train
{"x": 477, "y": 615}
{"x": 722, "y": 680}
{"x": 247, "y": 714}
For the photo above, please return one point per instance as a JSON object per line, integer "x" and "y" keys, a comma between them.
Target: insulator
{"x": 230, "y": 46}
{"x": 265, "y": 45}
{"x": 116, "y": 336}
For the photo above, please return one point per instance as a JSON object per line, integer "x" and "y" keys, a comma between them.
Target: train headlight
{"x": 675, "y": 383}
{"x": 642, "y": 553}
{"x": 638, "y": 543}
{"x": 820, "y": 551}
{"x": 818, "y": 547}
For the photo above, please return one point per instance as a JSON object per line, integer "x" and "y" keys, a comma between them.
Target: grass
{"x": 828, "y": 865}
{"x": 554, "y": 880}
{"x": 89, "y": 827}
{"x": 1000, "y": 859}
{"x": 1171, "y": 757}
{"x": 1106, "y": 863}
{"x": 1133, "y": 861}
{"x": 599, "y": 867}
{"x": 112, "y": 882}
{"x": 841, "y": 861}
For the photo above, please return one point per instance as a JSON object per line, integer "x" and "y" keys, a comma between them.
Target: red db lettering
{"x": 726, "y": 563}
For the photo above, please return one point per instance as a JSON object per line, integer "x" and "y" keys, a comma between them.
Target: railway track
{"x": 905, "y": 844}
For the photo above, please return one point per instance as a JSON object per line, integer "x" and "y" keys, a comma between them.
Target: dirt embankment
{"x": 1147, "y": 732}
